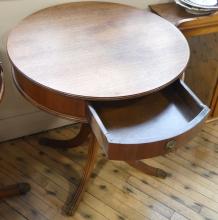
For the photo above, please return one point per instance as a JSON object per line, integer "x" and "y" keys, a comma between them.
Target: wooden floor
{"x": 116, "y": 191}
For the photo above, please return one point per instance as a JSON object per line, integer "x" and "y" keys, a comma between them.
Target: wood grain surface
{"x": 172, "y": 12}
{"x": 116, "y": 191}
{"x": 149, "y": 126}
{"x": 201, "y": 74}
{"x": 50, "y": 101}
{"x": 190, "y": 25}
{"x": 215, "y": 103}
{"x": 98, "y": 51}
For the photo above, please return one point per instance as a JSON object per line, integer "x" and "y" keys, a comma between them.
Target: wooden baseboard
{"x": 23, "y": 125}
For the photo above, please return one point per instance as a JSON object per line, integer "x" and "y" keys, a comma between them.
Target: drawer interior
{"x": 161, "y": 115}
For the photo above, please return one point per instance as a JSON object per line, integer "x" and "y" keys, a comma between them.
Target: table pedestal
{"x": 85, "y": 131}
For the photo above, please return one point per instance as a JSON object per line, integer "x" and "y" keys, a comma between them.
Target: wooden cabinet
{"x": 202, "y": 72}
{"x": 201, "y": 32}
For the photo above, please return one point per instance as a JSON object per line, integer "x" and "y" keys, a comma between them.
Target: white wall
{"x": 17, "y": 116}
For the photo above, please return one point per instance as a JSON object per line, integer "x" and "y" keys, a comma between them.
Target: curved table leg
{"x": 139, "y": 165}
{"x": 71, "y": 143}
{"x": 74, "y": 201}
{"x": 14, "y": 190}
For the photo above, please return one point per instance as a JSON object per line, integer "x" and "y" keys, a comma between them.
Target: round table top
{"x": 98, "y": 51}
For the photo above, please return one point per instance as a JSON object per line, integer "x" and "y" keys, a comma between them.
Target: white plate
{"x": 194, "y": 12}
{"x": 191, "y": 8}
{"x": 204, "y": 2}
{"x": 192, "y": 4}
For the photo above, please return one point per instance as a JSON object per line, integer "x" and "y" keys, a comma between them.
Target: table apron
{"x": 49, "y": 100}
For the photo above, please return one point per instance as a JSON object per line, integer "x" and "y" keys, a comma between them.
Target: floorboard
{"x": 116, "y": 191}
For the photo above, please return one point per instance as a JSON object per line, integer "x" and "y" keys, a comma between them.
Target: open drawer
{"x": 148, "y": 126}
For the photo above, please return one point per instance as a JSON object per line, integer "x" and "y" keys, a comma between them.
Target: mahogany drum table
{"x": 114, "y": 68}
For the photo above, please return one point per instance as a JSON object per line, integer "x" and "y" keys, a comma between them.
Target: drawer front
{"x": 149, "y": 126}
{"x": 148, "y": 150}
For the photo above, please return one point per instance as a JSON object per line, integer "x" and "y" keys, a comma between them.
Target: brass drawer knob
{"x": 171, "y": 145}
